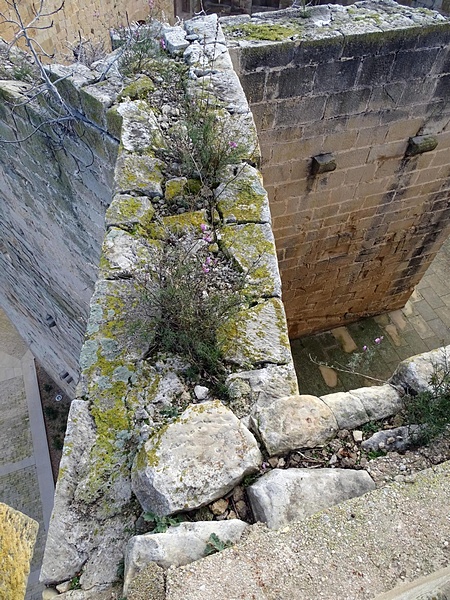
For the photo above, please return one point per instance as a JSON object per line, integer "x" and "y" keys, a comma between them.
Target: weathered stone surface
{"x": 379, "y": 401}
{"x": 148, "y": 585}
{"x": 347, "y": 408}
{"x": 243, "y": 198}
{"x": 127, "y": 211}
{"x": 294, "y": 422}
{"x": 17, "y": 538}
{"x": 257, "y": 335}
{"x": 196, "y": 459}
{"x": 261, "y": 385}
{"x": 140, "y": 173}
{"x": 413, "y": 374}
{"x": 398, "y": 439}
{"x": 122, "y": 252}
{"x": 252, "y": 246}
{"x": 207, "y": 28}
{"x": 178, "y": 546}
{"x": 175, "y": 39}
{"x": 285, "y": 496}
{"x": 140, "y": 130}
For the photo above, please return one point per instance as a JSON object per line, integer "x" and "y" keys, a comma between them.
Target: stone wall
{"x": 54, "y": 190}
{"x": 88, "y": 20}
{"x": 354, "y": 83}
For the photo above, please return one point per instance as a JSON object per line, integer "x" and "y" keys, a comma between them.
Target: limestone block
{"x": 207, "y": 28}
{"x": 286, "y": 496}
{"x": 122, "y": 253}
{"x": 323, "y": 163}
{"x": 413, "y": 374}
{"x": 261, "y": 385}
{"x": 140, "y": 128}
{"x": 139, "y": 173}
{"x": 252, "y": 246}
{"x": 195, "y": 459}
{"x": 257, "y": 335}
{"x": 178, "y": 546}
{"x": 347, "y": 408}
{"x": 127, "y": 211}
{"x": 243, "y": 199}
{"x": 17, "y": 538}
{"x": 294, "y": 422}
{"x": 175, "y": 39}
{"x": 379, "y": 401}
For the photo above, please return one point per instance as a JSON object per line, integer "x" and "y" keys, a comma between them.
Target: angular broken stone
{"x": 178, "y": 546}
{"x": 414, "y": 374}
{"x": 292, "y": 422}
{"x": 194, "y": 460}
{"x": 286, "y": 496}
{"x": 398, "y": 439}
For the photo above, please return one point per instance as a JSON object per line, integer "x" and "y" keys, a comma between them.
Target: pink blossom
{"x": 205, "y": 269}
{"x": 207, "y": 238}
{"x": 203, "y": 227}
{"x": 365, "y": 348}
{"x": 378, "y": 340}
{"x": 163, "y": 43}
{"x": 232, "y": 144}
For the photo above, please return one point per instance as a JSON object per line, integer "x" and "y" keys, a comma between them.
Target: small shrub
{"x": 186, "y": 293}
{"x": 140, "y": 46}
{"x": 431, "y": 408}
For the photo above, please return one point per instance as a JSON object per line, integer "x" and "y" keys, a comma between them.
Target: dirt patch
{"x": 55, "y": 409}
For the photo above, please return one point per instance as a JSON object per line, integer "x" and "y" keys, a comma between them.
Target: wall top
{"x": 325, "y": 22}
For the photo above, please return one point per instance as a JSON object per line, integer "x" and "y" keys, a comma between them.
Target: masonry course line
{"x": 17, "y": 466}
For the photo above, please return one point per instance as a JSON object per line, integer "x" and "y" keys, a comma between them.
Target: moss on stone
{"x": 114, "y": 122}
{"x": 177, "y": 224}
{"x": 138, "y": 89}
{"x": 264, "y": 31}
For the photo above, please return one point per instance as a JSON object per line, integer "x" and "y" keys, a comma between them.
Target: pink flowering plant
{"x": 186, "y": 293}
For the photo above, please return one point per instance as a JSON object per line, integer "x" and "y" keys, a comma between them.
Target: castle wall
{"x": 86, "y": 20}
{"x": 54, "y": 190}
{"x": 355, "y": 83}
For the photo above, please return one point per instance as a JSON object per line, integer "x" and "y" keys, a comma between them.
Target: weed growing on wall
{"x": 186, "y": 293}
{"x": 140, "y": 47}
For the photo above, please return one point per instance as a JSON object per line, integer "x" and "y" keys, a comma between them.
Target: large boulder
{"x": 285, "y": 496}
{"x": 292, "y": 422}
{"x": 196, "y": 459}
{"x": 414, "y": 374}
{"x": 178, "y": 546}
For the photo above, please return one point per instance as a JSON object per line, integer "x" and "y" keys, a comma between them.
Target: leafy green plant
{"x": 161, "y": 524}
{"x": 215, "y": 544}
{"x": 431, "y": 408}
{"x": 75, "y": 583}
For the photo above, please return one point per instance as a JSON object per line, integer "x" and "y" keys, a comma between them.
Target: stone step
{"x": 352, "y": 551}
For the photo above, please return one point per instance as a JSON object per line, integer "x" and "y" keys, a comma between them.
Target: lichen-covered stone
{"x": 140, "y": 128}
{"x": 195, "y": 459}
{"x": 252, "y": 246}
{"x": 294, "y": 422}
{"x": 139, "y": 173}
{"x": 127, "y": 211}
{"x": 17, "y": 538}
{"x": 286, "y": 496}
{"x": 148, "y": 584}
{"x": 243, "y": 198}
{"x": 257, "y": 335}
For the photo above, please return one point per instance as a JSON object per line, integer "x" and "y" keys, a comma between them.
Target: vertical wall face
{"x": 88, "y": 20}
{"x": 355, "y": 241}
{"x": 53, "y": 197}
